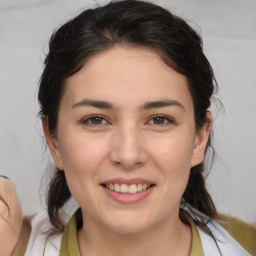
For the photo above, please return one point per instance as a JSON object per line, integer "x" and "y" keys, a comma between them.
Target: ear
{"x": 52, "y": 143}
{"x": 201, "y": 140}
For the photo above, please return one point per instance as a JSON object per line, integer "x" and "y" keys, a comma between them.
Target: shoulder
{"x": 241, "y": 231}
{"x": 216, "y": 238}
{"x": 225, "y": 236}
{"x": 34, "y": 240}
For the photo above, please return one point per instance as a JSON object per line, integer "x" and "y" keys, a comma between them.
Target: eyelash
{"x": 166, "y": 120}
{"x": 89, "y": 119}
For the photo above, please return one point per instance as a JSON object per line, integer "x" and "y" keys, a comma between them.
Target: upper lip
{"x": 128, "y": 181}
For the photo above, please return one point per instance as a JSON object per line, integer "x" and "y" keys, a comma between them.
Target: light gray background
{"x": 228, "y": 28}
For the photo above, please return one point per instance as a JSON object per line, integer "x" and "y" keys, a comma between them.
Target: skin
{"x": 10, "y": 217}
{"x": 128, "y": 141}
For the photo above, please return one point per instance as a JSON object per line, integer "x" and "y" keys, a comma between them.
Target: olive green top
{"x": 241, "y": 231}
{"x": 69, "y": 243}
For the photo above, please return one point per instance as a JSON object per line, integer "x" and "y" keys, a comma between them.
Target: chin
{"x": 129, "y": 223}
{"x": 128, "y": 229}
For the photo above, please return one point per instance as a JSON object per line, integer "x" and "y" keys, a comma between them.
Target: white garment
{"x": 227, "y": 244}
{"x": 38, "y": 246}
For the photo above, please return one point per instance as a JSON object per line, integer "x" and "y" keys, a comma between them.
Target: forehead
{"x": 123, "y": 74}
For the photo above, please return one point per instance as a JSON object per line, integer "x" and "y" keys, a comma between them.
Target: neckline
{"x": 69, "y": 241}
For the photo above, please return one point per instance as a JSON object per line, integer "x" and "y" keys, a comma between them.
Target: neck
{"x": 167, "y": 237}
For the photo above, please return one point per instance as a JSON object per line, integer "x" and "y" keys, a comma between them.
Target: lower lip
{"x": 128, "y": 198}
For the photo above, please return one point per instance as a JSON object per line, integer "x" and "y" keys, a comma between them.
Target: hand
{"x": 10, "y": 217}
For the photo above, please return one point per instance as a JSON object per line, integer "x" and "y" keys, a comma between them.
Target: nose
{"x": 128, "y": 149}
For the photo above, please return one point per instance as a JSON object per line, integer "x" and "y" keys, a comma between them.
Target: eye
{"x": 95, "y": 120}
{"x": 160, "y": 120}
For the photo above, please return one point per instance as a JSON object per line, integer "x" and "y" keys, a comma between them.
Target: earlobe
{"x": 201, "y": 140}
{"x": 52, "y": 143}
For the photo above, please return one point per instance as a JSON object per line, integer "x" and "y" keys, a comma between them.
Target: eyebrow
{"x": 146, "y": 106}
{"x": 161, "y": 104}
{"x": 94, "y": 103}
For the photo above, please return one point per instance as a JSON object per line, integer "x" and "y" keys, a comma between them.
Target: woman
{"x": 124, "y": 102}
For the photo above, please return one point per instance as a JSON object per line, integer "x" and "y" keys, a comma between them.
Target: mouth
{"x": 127, "y": 189}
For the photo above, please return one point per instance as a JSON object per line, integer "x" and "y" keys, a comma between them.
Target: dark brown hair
{"x": 134, "y": 24}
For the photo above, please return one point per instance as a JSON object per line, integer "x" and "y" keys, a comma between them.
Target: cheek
{"x": 172, "y": 157}
{"x": 173, "y": 154}
{"x": 81, "y": 154}
{"x": 82, "y": 159}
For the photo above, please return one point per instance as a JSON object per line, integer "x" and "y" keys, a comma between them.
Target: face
{"x": 126, "y": 139}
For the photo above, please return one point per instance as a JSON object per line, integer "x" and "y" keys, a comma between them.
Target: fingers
{"x": 3, "y": 176}
{"x": 10, "y": 217}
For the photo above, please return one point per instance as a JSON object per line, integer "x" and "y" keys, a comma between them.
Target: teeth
{"x": 124, "y": 188}
{"x": 127, "y": 189}
{"x": 133, "y": 189}
{"x": 117, "y": 188}
{"x": 139, "y": 187}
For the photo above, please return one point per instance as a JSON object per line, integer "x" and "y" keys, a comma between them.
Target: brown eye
{"x": 95, "y": 120}
{"x": 160, "y": 120}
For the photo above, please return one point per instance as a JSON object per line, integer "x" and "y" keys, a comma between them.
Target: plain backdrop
{"x": 228, "y": 28}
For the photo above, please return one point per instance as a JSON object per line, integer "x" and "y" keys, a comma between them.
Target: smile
{"x": 127, "y": 189}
